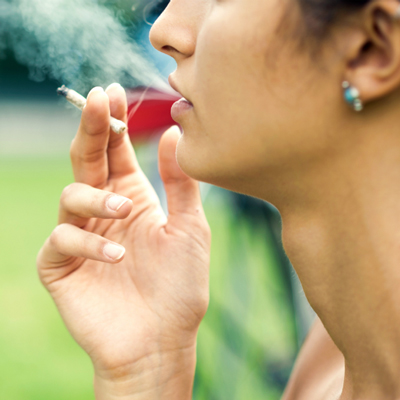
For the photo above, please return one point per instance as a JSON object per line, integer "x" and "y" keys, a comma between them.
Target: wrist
{"x": 164, "y": 375}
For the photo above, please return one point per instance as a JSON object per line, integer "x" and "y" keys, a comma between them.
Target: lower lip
{"x": 180, "y": 107}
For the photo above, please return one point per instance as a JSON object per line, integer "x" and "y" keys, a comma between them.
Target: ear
{"x": 373, "y": 59}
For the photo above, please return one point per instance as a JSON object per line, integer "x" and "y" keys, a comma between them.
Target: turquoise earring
{"x": 352, "y": 96}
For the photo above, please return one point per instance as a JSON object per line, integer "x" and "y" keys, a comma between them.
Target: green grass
{"x": 39, "y": 360}
{"x": 245, "y": 340}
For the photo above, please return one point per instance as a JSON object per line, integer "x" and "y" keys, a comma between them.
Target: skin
{"x": 269, "y": 120}
{"x": 137, "y": 319}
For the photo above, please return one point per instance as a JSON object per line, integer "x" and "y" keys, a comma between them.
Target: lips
{"x": 180, "y": 109}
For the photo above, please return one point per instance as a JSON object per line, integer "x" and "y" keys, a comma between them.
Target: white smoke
{"x": 78, "y": 42}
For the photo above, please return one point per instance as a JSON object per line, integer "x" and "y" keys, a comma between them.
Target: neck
{"x": 341, "y": 231}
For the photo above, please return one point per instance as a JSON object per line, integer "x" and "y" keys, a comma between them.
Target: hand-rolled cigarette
{"x": 79, "y": 102}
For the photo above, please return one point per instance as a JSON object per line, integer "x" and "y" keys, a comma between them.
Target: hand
{"x": 130, "y": 283}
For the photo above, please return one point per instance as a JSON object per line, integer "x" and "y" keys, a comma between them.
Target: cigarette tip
{"x": 63, "y": 91}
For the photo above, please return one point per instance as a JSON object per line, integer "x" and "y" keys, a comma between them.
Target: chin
{"x": 202, "y": 167}
{"x": 196, "y": 161}
{"x": 209, "y": 168}
{"x": 189, "y": 163}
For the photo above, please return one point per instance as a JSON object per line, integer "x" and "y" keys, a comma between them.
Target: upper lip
{"x": 175, "y": 87}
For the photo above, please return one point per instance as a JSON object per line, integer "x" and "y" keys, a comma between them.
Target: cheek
{"x": 252, "y": 101}
{"x": 228, "y": 74}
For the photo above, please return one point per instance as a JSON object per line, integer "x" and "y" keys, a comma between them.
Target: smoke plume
{"x": 78, "y": 42}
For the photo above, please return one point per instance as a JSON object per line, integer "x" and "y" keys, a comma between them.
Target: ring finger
{"x": 80, "y": 202}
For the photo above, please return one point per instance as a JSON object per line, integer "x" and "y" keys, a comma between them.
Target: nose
{"x": 175, "y": 31}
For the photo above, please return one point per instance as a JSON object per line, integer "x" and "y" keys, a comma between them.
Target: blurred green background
{"x": 258, "y": 315}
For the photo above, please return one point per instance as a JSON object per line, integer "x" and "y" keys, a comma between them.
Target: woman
{"x": 275, "y": 91}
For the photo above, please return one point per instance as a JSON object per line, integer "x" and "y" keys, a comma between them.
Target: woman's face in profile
{"x": 260, "y": 101}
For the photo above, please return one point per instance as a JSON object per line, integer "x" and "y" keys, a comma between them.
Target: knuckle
{"x": 92, "y": 156}
{"x": 94, "y": 245}
{"x": 89, "y": 243}
{"x": 204, "y": 302}
{"x": 199, "y": 305}
{"x": 96, "y": 203}
{"x": 66, "y": 193}
{"x": 99, "y": 248}
{"x": 99, "y": 199}
{"x": 56, "y": 235}
{"x": 94, "y": 122}
{"x": 78, "y": 155}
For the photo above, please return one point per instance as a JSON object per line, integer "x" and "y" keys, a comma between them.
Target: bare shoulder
{"x": 319, "y": 370}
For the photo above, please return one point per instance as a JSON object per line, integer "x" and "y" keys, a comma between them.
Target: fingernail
{"x": 114, "y": 203}
{"x": 96, "y": 89}
{"x": 114, "y": 85}
{"x": 114, "y": 251}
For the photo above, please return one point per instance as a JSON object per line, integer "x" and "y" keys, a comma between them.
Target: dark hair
{"x": 321, "y": 14}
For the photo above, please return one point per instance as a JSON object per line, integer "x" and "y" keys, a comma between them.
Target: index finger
{"x": 89, "y": 148}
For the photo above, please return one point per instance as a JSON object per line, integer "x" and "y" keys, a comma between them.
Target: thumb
{"x": 183, "y": 193}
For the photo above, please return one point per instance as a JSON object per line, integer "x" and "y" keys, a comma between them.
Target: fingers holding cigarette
{"x": 118, "y": 101}
{"x": 96, "y": 156}
{"x": 79, "y": 102}
{"x": 121, "y": 154}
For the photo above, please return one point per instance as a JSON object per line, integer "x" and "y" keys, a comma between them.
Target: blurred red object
{"x": 149, "y": 112}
